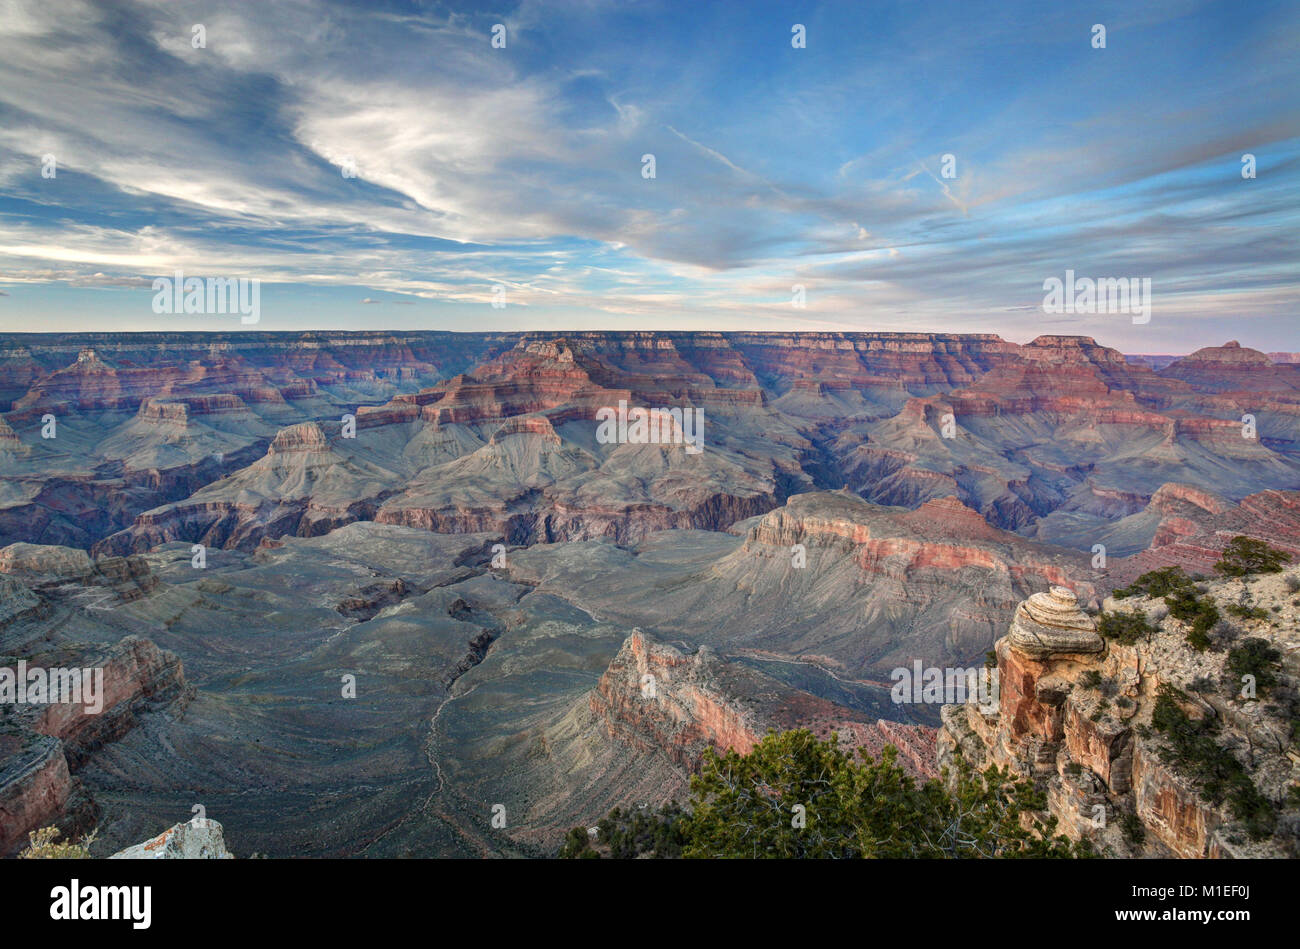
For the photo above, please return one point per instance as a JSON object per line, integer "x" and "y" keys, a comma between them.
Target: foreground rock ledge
{"x": 200, "y": 839}
{"x": 1074, "y": 716}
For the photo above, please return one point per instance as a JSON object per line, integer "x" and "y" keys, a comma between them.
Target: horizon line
{"x": 101, "y": 334}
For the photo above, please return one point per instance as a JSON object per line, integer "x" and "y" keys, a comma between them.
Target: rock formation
{"x": 44, "y": 743}
{"x": 1075, "y": 714}
{"x": 1233, "y": 368}
{"x": 1188, "y": 527}
{"x": 1059, "y": 426}
{"x": 199, "y": 839}
{"x": 654, "y": 696}
{"x": 37, "y": 789}
{"x": 1051, "y": 624}
{"x": 851, "y": 588}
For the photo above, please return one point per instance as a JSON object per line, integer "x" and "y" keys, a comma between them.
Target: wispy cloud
{"x": 330, "y": 145}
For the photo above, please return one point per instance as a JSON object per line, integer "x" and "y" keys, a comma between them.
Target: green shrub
{"x": 1245, "y": 612}
{"x": 631, "y": 833}
{"x": 743, "y": 806}
{"x": 1245, "y": 556}
{"x": 1090, "y": 679}
{"x": 1125, "y": 628}
{"x": 1155, "y": 583}
{"x": 1133, "y": 829}
{"x": 577, "y": 846}
{"x": 1198, "y": 612}
{"x": 1258, "y": 658}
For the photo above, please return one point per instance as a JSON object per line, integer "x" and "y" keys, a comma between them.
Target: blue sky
{"x": 522, "y": 167}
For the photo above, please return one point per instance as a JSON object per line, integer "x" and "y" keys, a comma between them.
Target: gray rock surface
{"x": 199, "y": 839}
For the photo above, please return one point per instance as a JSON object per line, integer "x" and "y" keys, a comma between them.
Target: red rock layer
{"x": 1195, "y": 526}
{"x": 657, "y": 698}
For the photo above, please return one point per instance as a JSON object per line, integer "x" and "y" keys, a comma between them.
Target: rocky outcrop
{"x": 45, "y": 560}
{"x": 200, "y": 839}
{"x": 99, "y": 581}
{"x": 655, "y": 693}
{"x": 9, "y": 440}
{"x": 305, "y": 437}
{"x": 526, "y": 425}
{"x": 942, "y": 534}
{"x": 180, "y": 409}
{"x": 1052, "y": 624}
{"x": 16, "y": 601}
{"x": 1075, "y": 716}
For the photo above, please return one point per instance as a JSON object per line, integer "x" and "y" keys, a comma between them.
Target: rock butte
{"x": 1051, "y": 623}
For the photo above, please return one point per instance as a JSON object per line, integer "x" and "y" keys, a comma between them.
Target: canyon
{"x": 353, "y": 591}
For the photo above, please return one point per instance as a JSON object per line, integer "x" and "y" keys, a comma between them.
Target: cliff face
{"x": 43, "y": 745}
{"x": 654, "y": 697}
{"x": 35, "y": 787}
{"x": 1075, "y": 714}
{"x": 137, "y": 675}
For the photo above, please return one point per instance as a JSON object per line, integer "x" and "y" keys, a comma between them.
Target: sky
{"x": 385, "y": 166}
